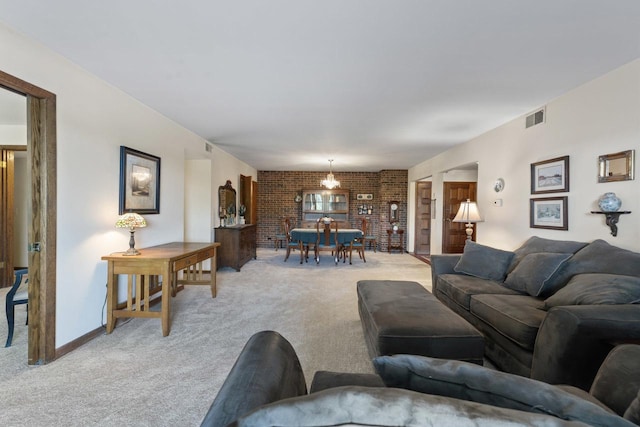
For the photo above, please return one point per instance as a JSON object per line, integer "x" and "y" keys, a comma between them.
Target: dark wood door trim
{"x": 6, "y": 217}
{"x": 42, "y": 149}
{"x": 422, "y": 238}
{"x": 453, "y": 233}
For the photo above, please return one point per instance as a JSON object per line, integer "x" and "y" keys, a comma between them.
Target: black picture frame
{"x": 139, "y": 182}
{"x": 550, "y": 176}
{"x": 549, "y": 212}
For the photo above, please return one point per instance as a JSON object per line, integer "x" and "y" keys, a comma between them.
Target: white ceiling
{"x": 373, "y": 84}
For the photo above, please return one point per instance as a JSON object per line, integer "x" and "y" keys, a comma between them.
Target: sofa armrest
{"x": 442, "y": 264}
{"x": 618, "y": 379}
{"x": 267, "y": 370}
{"x": 573, "y": 341}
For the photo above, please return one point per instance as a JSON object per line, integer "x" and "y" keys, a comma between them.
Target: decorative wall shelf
{"x": 612, "y": 219}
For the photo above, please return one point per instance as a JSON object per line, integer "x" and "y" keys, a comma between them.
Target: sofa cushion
{"x": 590, "y": 289}
{"x": 537, "y": 244}
{"x": 597, "y": 257}
{"x": 517, "y": 317}
{"x": 460, "y": 288}
{"x": 367, "y": 406}
{"x": 479, "y": 384}
{"x": 484, "y": 261}
{"x": 582, "y": 394}
{"x": 534, "y": 271}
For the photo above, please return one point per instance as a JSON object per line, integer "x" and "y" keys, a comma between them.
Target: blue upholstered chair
{"x": 15, "y": 298}
{"x": 327, "y": 241}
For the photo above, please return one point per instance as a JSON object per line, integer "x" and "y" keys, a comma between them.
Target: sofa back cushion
{"x": 597, "y": 257}
{"x": 373, "y": 406}
{"x": 484, "y": 262}
{"x": 479, "y": 384}
{"x": 537, "y": 244}
{"x": 596, "y": 289}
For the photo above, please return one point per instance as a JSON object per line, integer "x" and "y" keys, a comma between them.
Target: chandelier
{"x": 330, "y": 182}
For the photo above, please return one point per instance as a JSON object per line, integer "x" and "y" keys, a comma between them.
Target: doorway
{"x": 454, "y": 234}
{"x": 41, "y": 164}
{"x": 422, "y": 246}
{"x": 13, "y": 208}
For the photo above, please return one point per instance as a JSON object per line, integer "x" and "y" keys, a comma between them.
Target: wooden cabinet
{"x": 320, "y": 203}
{"x": 237, "y": 245}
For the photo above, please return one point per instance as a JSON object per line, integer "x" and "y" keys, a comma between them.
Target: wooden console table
{"x": 143, "y": 272}
{"x": 400, "y": 246}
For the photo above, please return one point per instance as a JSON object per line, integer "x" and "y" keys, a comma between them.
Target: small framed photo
{"x": 549, "y": 212}
{"x": 139, "y": 182}
{"x": 550, "y": 176}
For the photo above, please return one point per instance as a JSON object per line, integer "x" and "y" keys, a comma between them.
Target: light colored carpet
{"x": 135, "y": 377}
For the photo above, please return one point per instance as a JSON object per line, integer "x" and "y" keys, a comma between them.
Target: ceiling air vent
{"x": 535, "y": 118}
{"x": 207, "y": 147}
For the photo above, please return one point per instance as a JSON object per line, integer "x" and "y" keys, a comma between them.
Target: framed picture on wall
{"x": 139, "y": 182}
{"x": 550, "y": 176}
{"x": 549, "y": 212}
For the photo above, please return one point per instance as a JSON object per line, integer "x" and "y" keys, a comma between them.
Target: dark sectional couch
{"x": 550, "y": 310}
{"x": 266, "y": 387}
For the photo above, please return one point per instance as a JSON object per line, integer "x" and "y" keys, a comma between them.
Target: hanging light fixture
{"x": 330, "y": 182}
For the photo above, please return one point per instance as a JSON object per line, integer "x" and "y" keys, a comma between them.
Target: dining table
{"x": 307, "y": 236}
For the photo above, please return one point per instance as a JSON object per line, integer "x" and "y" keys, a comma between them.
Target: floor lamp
{"x": 469, "y": 214}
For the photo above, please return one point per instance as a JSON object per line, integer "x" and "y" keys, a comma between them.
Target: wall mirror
{"x": 616, "y": 166}
{"x": 227, "y": 202}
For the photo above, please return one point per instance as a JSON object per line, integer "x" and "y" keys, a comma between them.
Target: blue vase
{"x": 609, "y": 202}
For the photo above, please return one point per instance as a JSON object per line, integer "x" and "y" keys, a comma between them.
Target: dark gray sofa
{"x": 266, "y": 387}
{"x": 550, "y": 310}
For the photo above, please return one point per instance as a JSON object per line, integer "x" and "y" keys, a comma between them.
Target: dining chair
{"x": 358, "y": 245}
{"x": 16, "y": 298}
{"x": 326, "y": 241}
{"x": 281, "y": 235}
{"x": 368, "y": 234}
{"x": 290, "y": 244}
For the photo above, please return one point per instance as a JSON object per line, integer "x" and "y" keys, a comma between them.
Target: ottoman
{"x": 400, "y": 317}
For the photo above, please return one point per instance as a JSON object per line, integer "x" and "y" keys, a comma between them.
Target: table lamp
{"x": 131, "y": 221}
{"x": 470, "y": 214}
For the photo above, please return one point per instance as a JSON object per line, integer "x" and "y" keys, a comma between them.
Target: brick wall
{"x": 277, "y": 191}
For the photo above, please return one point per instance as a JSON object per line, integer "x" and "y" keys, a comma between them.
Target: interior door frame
{"x": 41, "y": 162}
{"x": 418, "y": 238}
{"x": 447, "y": 216}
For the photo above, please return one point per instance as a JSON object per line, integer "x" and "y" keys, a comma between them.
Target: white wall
{"x": 597, "y": 118}
{"x": 93, "y": 120}
{"x": 13, "y": 134}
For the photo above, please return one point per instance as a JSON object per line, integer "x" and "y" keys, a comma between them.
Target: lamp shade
{"x": 131, "y": 220}
{"x": 468, "y": 213}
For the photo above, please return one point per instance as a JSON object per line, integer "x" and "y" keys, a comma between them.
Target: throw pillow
{"x": 367, "y": 406}
{"x": 597, "y": 257}
{"x": 595, "y": 289}
{"x": 467, "y": 381}
{"x": 483, "y": 261}
{"x": 537, "y": 244}
{"x": 533, "y": 271}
